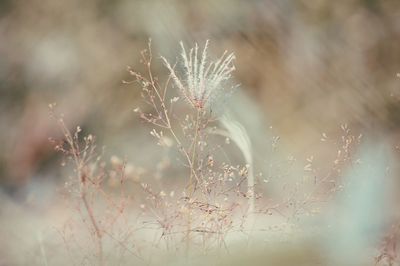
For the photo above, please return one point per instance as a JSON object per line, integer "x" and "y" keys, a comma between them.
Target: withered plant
{"x": 185, "y": 118}
{"x": 215, "y": 193}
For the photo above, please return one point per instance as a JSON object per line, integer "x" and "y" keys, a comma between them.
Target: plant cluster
{"x": 128, "y": 210}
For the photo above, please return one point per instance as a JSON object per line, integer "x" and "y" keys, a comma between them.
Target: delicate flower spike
{"x": 202, "y": 81}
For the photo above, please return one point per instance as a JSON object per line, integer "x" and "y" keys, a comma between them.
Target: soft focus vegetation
{"x": 274, "y": 143}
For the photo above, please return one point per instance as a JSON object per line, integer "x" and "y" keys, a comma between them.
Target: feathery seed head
{"x": 203, "y": 80}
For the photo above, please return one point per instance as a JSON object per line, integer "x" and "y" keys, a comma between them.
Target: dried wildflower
{"x": 203, "y": 80}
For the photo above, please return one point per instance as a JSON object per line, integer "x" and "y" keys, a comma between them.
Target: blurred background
{"x": 307, "y": 66}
